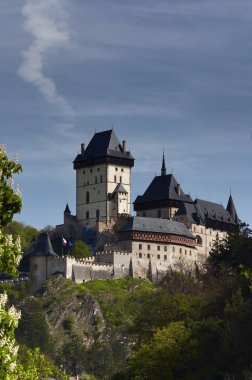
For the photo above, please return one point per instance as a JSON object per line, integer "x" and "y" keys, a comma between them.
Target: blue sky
{"x": 166, "y": 75}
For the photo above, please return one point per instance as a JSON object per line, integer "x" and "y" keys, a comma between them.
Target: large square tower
{"x": 103, "y": 180}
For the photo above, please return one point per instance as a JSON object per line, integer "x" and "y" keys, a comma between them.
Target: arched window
{"x": 87, "y": 197}
{"x": 198, "y": 240}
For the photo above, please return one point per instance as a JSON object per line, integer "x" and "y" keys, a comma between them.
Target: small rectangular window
{"x": 165, "y": 249}
{"x": 158, "y": 247}
{"x": 148, "y": 256}
{"x": 120, "y": 179}
{"x": 165, "y": 257}
{"x": 122, "y": 170}
{"x": 148, "y": 247}
{"x": 116, "y": 169}
{"x": 95, "y": 179}
{"x": 115, "y": 178}
{"x": 158, "y": 256}
{"x": 101, "y": 178}
{"x": 140, "y": 246}
{"x": 140, "y": 255}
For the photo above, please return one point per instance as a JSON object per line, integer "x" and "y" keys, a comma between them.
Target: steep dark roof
{"x": 214, "y": 211}
{"x": 201, "y": 212}
{"x": 43, "y": 246}
{"x": 120, "y": 189}
{"x": 164, "y": 187}
{"x": 67, "y": 209}
{"x": 193, "y": 213}
{"x": 231, "y": 209}
{"x": 137, "y": 223}
{"x": 103, "y": 145}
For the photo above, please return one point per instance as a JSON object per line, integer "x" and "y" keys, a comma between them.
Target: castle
{"x": 169, "y": 230}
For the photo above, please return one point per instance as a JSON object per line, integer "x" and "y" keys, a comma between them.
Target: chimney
{"x": 82, "y": 149}
{"x": 124, "y": 146}
{"x": 178, "y": 189}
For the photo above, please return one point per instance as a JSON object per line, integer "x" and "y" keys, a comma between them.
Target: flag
{"x": 64, "y": 242}
{"x": 70, "y": 244}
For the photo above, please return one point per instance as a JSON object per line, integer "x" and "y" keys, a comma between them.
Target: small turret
{"x": 43, "y": 246}
{"x": 231, "y": 209}
{"x": 163, "y": 169}
{"x": 67, "y": 209}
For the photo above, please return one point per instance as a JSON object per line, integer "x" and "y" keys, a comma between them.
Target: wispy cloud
{"x": 46, "y": 22}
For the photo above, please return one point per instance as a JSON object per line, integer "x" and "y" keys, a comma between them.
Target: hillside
{"x": 84, "y": 328}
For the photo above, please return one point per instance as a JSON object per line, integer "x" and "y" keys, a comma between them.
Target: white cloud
{"x": 46, "y": 22}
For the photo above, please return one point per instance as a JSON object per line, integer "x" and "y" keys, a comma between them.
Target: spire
{"x": 231, "y": 209}
{"x": 67, "y": 209}
{"x": 163, "y": 169}
{"x": 43, "y": 246}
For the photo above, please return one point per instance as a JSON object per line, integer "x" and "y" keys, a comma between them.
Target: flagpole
{"x": 62, "y": 245}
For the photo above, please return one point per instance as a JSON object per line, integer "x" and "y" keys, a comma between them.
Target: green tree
{"x": 234, "y": 252}
{"x": 10, "y": 255}
{"x": 79, "y": 250}
{"x": 27, "y": 234}
{"x": 167, "y": 355}
{"x": 36, "y": 366}
{"x": 33, "y": 329}
{"x": 10, "y": 203}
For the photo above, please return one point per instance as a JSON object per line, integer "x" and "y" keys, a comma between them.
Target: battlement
{"x": 112, "y": 252}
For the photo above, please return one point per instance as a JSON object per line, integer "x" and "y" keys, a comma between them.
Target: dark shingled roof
{"x": 231, "y": 209}
{"x": 104, "y": 144}
{"x": 137, "y": 223}
{"x": 193, "y": 213}
{"x": 120, "y": 189}
{"x": 67, "y": 209}
{"x": 43, "y": 246}
{"x": 214, "y": 211}
{"x": 164, "y": 187}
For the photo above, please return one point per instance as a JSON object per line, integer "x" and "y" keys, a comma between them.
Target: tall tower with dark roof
{"x": 103, "y": 179}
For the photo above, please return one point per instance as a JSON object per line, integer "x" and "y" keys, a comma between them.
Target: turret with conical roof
{"x": 67, "y": 209}
{"x": 231, "y": 209}
{"x": 43, "y": 246}
{"x": 40, "y": 258}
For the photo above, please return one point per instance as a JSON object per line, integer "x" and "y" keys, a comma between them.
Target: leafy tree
{"x": 10, "y": 255}
{"x": 27, "y": 234}
{"x": 8, "y": 348}
{"x": 73, "y": 355}
{"x": 49, "y": 229}
{"x": 33, "y": 328}
{"x": 36, "y": 366}
{"x": 166, "y": 356}
{"x": 10, "y": 200}
{"x": 234, "y": 252}
{"x": 10, "y": 203}
{"x": 79, "y": 250}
